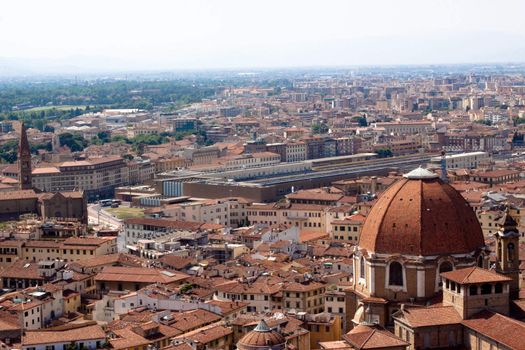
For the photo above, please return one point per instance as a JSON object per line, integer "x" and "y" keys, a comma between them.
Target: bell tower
{"x": 507, "y": 252}
{"x": 24, "y": 161}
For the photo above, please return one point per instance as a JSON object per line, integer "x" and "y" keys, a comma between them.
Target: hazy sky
{"x": 176, "y": 34}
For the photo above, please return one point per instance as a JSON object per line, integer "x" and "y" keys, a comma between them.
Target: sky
{"x": 215, "y": 34}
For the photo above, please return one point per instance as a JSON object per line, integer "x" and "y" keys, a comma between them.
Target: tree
{"x": 361, "y": 120}
{"x": 75, "y": 142}
{"x": 186, "y": 288}
{"x": 9, "y": 151}
{"x": 484, "y": 122}
{"x": 320, "y": 128}
{"x": 384, "y": 152}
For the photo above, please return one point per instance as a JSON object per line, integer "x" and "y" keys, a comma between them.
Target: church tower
{"x": 507, "y": 252}
{"x": 24, "y": 161}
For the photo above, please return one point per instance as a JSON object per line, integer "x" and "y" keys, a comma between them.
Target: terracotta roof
{"x": 300, "y": 287}
{"x": 429, "y": 316}
{"x": 228, "y": 307}
{"x": 474, "y": 275}
{"x": 17, "y": 194}
{"x": 421, "y": 217}
{"x": 499, "y": 328}
{"x": 21, "y": 269}
{"x": 110, "y": 259}
{"x": 93, "y": 332}
{"x": 176, "y": 262}
{"x": 182, "y": 346}
{"x": 335, "y": 345}
{"x": 307, "y": 236}
{"x": 365, "y": 337}
{"x": 207, "y": 334}
{"x": 139, "y": 275}
{"x": 190, "y": 320}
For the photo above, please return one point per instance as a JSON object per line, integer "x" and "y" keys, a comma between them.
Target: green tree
{"x": 75, "y": 142}
{"x": 320, "y": 128}
{"x": 384, "y": 153}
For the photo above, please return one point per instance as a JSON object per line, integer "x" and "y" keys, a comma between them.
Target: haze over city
{"x": 64, "y": 36}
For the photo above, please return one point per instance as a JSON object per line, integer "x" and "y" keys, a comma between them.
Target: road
{"x": 97, "y": 216}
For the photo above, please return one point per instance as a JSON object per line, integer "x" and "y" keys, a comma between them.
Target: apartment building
{"x": 308, "y": 217}
{"x": 227, "y": 212}
{"x": 470, "y": 160}
{"x": 295, "y": 151}
{"x": 140, "y": 171}
{"x": 252, "y": 160}
{"x": 97, "y": 177}
{"x": 405, "y": 127}
{"x": 348, "y": 229}
{"x": 305, "y": 297}
{"x": 136, "y": 229}
{"x": 82, "y": 336}
{"x": 72, "y": 249}
{"x": 203, "y": 155}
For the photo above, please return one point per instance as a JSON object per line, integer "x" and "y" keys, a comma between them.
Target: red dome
{"x": 421, "y": 215}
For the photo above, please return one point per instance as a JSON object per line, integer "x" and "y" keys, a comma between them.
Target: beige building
{"x": 97, "y": 177}
{"x": 348, "y": 229}
{"x": 307, "y": 298}
{"x": 308, "y": 217}
{"x": 295, "y": 151}
{"x": 227, "y": 212}
{"x": 72, "y": 249}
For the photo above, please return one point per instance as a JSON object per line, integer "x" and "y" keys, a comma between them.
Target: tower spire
{"x": 24, "y": 161}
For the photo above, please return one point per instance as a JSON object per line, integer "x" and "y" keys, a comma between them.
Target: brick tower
{"x": 24, "y": 161}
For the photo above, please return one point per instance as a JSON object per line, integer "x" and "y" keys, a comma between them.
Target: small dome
{"x": 421, "y": 215}
{"x": 262, "y": 337}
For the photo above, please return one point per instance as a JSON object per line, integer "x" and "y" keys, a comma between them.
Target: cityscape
{"x": 284, "y": 199}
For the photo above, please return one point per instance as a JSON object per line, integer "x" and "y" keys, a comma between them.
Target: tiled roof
{"x": 365, "y": 337}
{"x": 499, "y": 328}
{"x": 300, "y": 287}
{"x": 93, "y": 332}
{"x": 474, "y": 275}
{"x": 138, "y": 275}
{"x": 429, "y": 316}
{"x": 421, "y": 217}
{"x": 21, "y": 269}
{"x": 17, "y": 194}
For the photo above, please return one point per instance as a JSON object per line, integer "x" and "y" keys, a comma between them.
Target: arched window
{"x": 510, "y": 251}
{"x": 480, "y": 261}
{"x": 498, "y": 288}
{"x": 473, "y": 290}
{"x": 486, "y": 289}
{"x": 395, "y": 274}
{"x": 362, "y": 268}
